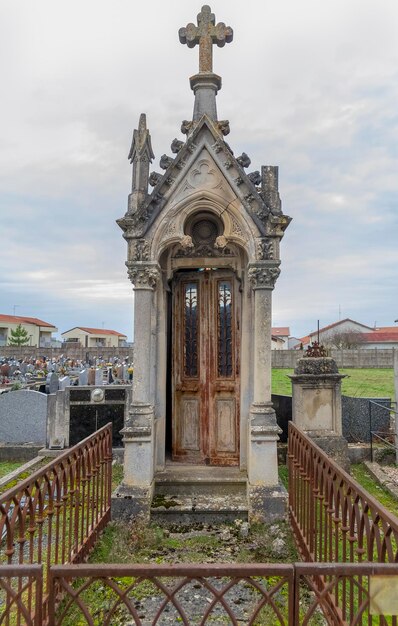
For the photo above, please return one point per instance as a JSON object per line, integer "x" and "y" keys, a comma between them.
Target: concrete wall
{"x": 360, "y": 358}
{"x": 72, "y": 351}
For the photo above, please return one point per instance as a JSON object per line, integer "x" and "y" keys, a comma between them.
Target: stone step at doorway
{"x": 190, "y": 494}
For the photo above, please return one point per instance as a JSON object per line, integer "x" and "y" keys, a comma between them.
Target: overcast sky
{"x": 309, "y": 85}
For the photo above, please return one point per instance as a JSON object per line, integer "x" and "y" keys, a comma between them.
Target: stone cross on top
{"x": 206, "y": 33}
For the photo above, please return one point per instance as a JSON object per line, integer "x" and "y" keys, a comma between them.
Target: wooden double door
{"x": 205, "y": 367}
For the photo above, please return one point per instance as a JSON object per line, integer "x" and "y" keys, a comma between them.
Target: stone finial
{"x": 269, "y": 188}
{"x": 206, "y": 33}
{"x": 244, "y": 160}
{"x": 255, "y": 177}
{"x": 140, "y": 155}
{"x": 223, "y": 127}
{"x": 165, "y": 161}
{"x": 154, "y": 178}
{"x": 176, "y": 146}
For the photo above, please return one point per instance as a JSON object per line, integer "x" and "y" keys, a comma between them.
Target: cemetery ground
{"x": 141, "y": 543}
{"x": 359, "y": 383}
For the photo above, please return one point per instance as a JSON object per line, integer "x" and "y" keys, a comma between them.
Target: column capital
{"x": 263, "y": 275}
{"x": 143, "y": 275}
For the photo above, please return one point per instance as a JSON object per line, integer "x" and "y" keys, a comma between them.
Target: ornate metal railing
{"x": 55, "y": 515}
{"x": 172, "y": 594}
{"x": 196, "y": 595}
{"x": 334, "y": 519}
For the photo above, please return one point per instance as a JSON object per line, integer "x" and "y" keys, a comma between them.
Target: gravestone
{"x": 98, "y": 377}
{"x": 91, "y": 376}
{"x": 23, "y": 417}
{"x": 83, "y": 378}
{"x": 64, "y": 382}
{"x": 52, "y": 383}
{"x": 5, "y": 370}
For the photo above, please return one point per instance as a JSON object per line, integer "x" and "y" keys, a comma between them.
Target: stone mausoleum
{"x": 203, "y": 240}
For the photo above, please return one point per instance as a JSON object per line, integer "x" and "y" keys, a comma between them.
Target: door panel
{"x": 205, "y": 373}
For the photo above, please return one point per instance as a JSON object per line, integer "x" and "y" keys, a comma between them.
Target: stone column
{"x": 266, "y": 498}
{"x": 135, "y": 493}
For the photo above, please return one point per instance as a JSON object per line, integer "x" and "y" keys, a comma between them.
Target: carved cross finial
{"x": 206, "y": 33}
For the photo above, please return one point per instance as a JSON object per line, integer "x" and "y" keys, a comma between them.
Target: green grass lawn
{"x": 361, "y": 383}
{"x": 9, "y": 466}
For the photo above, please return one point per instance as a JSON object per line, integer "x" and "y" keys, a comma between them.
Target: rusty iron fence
{"x": 53, "y": 516}
{"x": 172, "y": 594}
{"x": 199, "y": 595}
{"x": 334, "y": 519}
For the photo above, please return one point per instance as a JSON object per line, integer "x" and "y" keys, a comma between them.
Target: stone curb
{"x": 376, "y": 471}
{"x": 23, "y": 468}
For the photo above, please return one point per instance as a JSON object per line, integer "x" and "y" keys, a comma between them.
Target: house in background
{"x": 348, "y": 333}
{"x": 280, "y": 337}
{"x": 40, "y": 333}
{"x": 95, "y": 337}
{"x": 383, "y": 337}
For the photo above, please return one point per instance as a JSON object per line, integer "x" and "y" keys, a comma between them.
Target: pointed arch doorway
{"x": 205, "y": 375}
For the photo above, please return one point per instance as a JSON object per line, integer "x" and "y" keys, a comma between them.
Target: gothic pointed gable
{"x": 205, "y": 144}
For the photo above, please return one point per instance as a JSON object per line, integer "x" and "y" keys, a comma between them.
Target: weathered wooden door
{"x": 206, "y": 330}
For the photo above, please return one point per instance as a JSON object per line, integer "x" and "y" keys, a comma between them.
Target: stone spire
{"x": 205, "y": 84}
{"x": 140, "y": 155}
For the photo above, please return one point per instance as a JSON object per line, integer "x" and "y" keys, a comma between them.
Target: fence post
{"x": 395, "y": 365}
{"x": 370, "y": 432}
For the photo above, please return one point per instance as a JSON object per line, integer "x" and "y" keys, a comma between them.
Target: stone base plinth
{"x": 131, "y": 502}
{"x": 335, "y": 446}
{"x": 268, "y": 504}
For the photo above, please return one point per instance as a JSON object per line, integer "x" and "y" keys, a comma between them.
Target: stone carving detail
{"x": 265, "y": 249}
{"x": 154, "y": 178}
{"x": 143, "y": 277}
{"x": 171, "y": 228}
{"x": 236, "y": 228}
{"x": 244, "y": 160}
{"x": 176, "y": 146}
{"x": 186, "y": 126}
{"x": 204, "y": 175}
{"x": 263, "y": 277}
{"x": 191, "y": 147}
{"x": 203, "y": 250}
{"x": 165, "y": 161}
{"x": 187, "y": 243}
{"x": 169, "y": 181}
{"x": 223, "y": 127}
{"x": 249, "y": 198}
{"x": 181, "y": 164}
{"x": 157, "y": 198}
{"x": 140, "y": 250}
{"x": 218, "y": 146}
{"x": 238, "y": 180}
{"x": 228, "y": 163}
{"x": 220, "y": 242}
{"x": 255, "y": 177}
{"x": 263, "y": 213}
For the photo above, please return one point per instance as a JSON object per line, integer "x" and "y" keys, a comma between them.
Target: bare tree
{"x": 345, "y": 339}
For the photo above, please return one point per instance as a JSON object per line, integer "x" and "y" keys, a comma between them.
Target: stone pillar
{"x": 135, "y": 493}
{"x": 266, "y": 498}
{"x": 316, "y": 405}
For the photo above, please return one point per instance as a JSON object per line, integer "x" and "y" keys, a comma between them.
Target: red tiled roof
{"x": 96, "y": 331}
{"x": 378, "y": 336}
{"x": 387, "y": 329}
{"x": 280, "y": 330}
{"x": 18, "y": 319}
